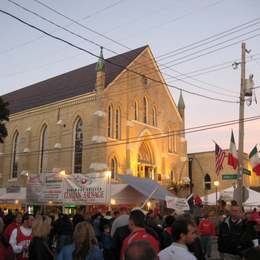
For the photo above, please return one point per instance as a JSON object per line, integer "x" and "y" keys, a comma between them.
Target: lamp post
{"x": 216, "y": 184}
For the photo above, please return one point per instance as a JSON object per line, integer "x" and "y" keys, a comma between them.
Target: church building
{"x": 117, "y": 114}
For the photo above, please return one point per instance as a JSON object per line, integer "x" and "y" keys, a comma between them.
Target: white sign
{"x": 79, "y": 189}
{"x": 179, "y": 204}
{"x": 86, "y": 189}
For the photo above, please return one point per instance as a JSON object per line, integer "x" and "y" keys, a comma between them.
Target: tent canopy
{"x": 146, "y": 187}
{"x": 227, "y": 194}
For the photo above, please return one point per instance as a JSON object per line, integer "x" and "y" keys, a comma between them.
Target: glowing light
{"x": 108, "y": 174}
{"x": 149, "y": 204}
{"x": 50, "y": 202}
{"x": 113, "y": 202}
{"x": 63, "y": 173}
{"x": 16, "y": 201}
{"x": 216, "y": 183}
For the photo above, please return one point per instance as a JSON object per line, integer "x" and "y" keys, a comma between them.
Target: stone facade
{"x": 203, "y": 163}
{"x": 141, "y": 149}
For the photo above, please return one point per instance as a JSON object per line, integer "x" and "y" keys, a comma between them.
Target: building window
{"x": 136, "y": 115}
{"x": 110, "y": 122}
{"x": 171, "y": 140}
{"x": 207, "y": 182}
{"x": 14, "y": 161}
{"x": 145, "y": 110}
{"x": 154, "y": 117}
{"x": 44, "y": 150}
{"x": 114, "y": 168}
{"x": 118, "y": 124}
{"x": 78, "y": 146}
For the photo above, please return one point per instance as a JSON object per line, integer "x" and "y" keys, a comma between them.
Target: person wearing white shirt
{"x": 20, "y": 237}
{"x": 183, "y": 233}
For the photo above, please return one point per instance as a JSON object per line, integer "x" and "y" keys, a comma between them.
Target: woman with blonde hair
{"x": 38, "y": 248}
{"x": 84, "y": 246}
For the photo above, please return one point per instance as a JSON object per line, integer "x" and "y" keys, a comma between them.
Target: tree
{"x": 4, "y": 117}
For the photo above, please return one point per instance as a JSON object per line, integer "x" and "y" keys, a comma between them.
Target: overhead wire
{"x": 82, "y": 49}
{"x": 138, "y": 139}
{"x": 76, "y": 22}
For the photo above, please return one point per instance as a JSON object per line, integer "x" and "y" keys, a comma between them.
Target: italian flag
{"x": 255, "y": 161}
{"x": 232, "y": 154}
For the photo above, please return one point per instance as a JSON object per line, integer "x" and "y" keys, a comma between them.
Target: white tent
{"x": 227, "y": 195}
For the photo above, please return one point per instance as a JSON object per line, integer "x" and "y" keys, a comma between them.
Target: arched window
{"x": 118, "y": 124}
{"x": 15, "y": 150}
{"x": 114, "y": 168}
{"x": 136, "y": 115}
{"x": 78, "y": 146}
{"x": 154, "y": 117}
{"x": 171, "y": 140}
{"x": 145, "y": 110}
{"x": 110, "y": 122}
{"x": 207, "y": 182}
{"x": 44, "y": 150}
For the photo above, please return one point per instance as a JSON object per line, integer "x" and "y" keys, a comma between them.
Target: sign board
{"x": 246, "y": 172}
{"x": 86, "y": 189}
{"x": 76, "y": 189}
{"x": 229, "y": 176}
{"x": 13, "y": 189}
{"x": 53, "y": 190}
{"x": 179, "y": 204}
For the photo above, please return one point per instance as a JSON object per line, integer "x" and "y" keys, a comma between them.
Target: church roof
{"x": 67, "y": 85}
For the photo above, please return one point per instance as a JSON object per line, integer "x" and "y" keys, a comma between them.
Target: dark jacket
{"x": 195, "y": 248}
{"x": 231, "y": 239}
{"x": 39, "y": 250}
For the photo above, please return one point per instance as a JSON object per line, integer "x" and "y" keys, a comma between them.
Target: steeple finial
{"x": 181, "y": 104}
{"x": 101, "y": 62}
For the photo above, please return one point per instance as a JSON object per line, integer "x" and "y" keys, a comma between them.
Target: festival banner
{"x": 86, "y": 189}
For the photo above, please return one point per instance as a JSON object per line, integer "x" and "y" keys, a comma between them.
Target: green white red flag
{"x": 255, "y": 161}
{"x": 232, "y": 154}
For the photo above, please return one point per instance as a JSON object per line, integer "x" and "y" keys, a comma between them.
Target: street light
{"x": 216, "y": 184}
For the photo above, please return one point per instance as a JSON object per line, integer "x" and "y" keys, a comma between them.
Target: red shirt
{"x": 6, "y": 252}
{"x": 139, "y": 234}
{"x": 9, "y": 229}
{"x": 26, "y": 240}
{"x": 206, "y": 228}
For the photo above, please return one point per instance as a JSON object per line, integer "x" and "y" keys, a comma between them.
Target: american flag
{"x": 219, "y": 155}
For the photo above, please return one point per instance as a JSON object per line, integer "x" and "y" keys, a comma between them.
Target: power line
{"x": 76, "y": 22}
{"x": 139, "y": 139}
{"x": 183, "y": 60}
{"x": 183, "y": 49}
{"x": 135, "y": 72}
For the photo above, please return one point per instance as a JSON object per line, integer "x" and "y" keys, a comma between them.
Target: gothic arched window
{"x": 114, "y": 168}
{"x": 207, "y": 182}
{"x": 110, "y": 122}
{"x": 15, "y": 150}
{"x": 145, "y": 110}
{"x": 118, "y": 124}
{"x": 44, "y": 150}
{"x": 154, "y": 117}
{"x": 136, "y": 111}
{"x": 78, "y": 146}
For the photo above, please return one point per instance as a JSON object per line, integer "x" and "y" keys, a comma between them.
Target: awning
{"x": 146, "y": 187}
{"x": 13, "y": 197}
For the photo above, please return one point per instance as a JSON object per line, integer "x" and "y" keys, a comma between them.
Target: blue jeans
{"x": 63, "y": 240}
{"x": 206, "y": 242}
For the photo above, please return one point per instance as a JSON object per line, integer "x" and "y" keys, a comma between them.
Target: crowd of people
{"x": 131, "y": 234}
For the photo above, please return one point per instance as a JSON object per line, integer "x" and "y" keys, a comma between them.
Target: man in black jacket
{"x": 231, "y": 230}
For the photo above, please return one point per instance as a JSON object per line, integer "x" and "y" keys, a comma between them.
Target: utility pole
{"x": 241, "y": 126}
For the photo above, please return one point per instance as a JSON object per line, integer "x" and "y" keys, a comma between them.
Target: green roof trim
{"x": 181, "y": 104}
{"x": 101, "y": 62}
